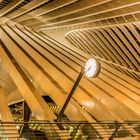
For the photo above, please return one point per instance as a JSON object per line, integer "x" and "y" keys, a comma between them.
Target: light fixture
{"x": 17, "y": 127}
{"x": 92, "y": 68}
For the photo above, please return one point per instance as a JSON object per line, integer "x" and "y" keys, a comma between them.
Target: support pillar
{"x": 26, "y": 117}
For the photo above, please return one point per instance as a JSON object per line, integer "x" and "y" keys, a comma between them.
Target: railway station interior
{"x": 69, "y": 69}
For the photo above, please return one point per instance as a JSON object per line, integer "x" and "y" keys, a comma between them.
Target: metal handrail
{"x": 73, "y": 130}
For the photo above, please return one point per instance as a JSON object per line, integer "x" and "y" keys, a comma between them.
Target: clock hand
{"x": 88, "y": 69}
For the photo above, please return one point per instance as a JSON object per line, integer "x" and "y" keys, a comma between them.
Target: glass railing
{"x": 72, "y": 130}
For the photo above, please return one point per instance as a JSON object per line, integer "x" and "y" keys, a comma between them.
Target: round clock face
{"x": 92, "y": 68}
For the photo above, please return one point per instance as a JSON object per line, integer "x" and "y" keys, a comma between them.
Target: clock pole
{"x": 91, "y": 69}
{"x": 70, "y": 95}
